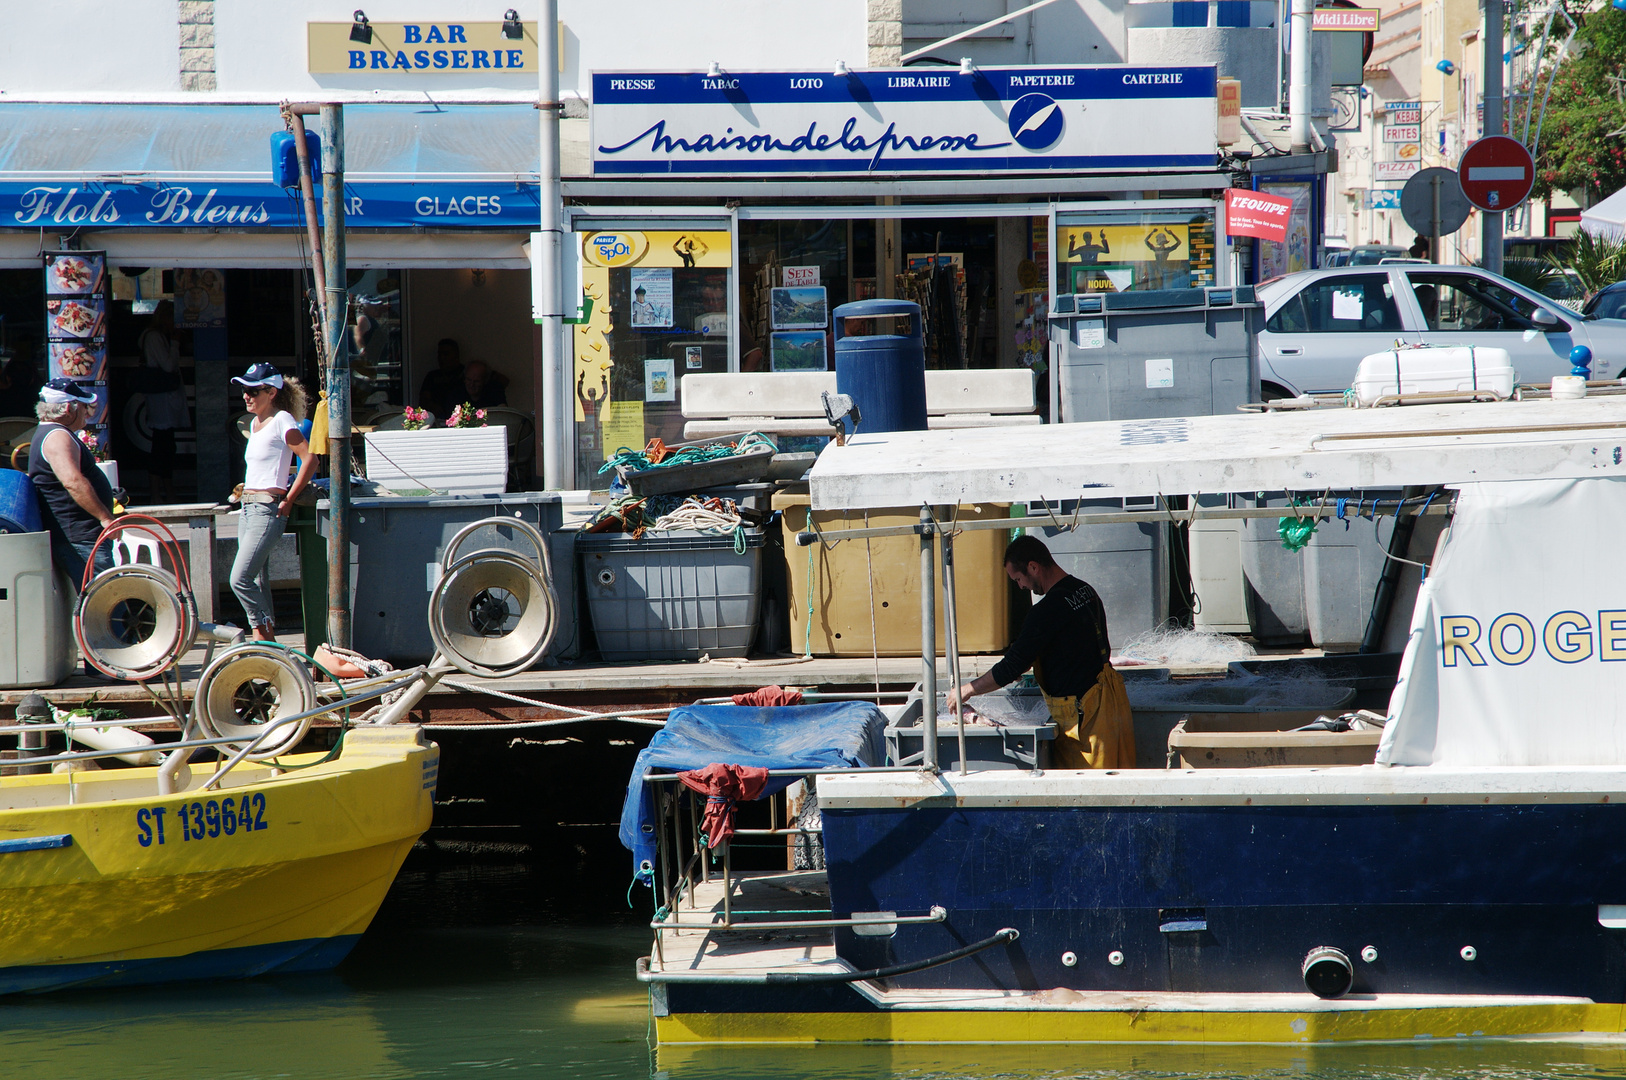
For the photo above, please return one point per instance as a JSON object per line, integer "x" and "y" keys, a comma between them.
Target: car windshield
{"x": 1458, "y": 301}
{"x": 1373, "y": 256}
{"x": 1609, "y": 304}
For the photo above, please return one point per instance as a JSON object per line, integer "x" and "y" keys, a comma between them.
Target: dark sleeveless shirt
{"x": 65, "y": 517}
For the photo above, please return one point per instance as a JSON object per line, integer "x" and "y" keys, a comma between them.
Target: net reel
{"x": 134, "y": 621}
{"x": 248, "y": 688}
{"x": 494, "y": 612}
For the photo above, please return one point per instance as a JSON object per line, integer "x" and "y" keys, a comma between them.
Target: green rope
{"x": 637, "y": 461}
{"x": 739, "y": 539}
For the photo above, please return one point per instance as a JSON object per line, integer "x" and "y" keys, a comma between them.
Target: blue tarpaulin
{"x": 843, "y": 734}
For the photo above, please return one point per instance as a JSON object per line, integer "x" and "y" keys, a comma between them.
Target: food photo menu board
{"x": 76, "y": 324}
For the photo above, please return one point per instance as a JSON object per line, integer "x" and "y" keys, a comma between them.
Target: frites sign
{"x": 1253, "y": 213}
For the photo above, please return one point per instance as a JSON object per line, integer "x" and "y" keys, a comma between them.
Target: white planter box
{"x": 455, "y": 461}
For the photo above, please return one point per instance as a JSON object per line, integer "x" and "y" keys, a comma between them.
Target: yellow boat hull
{"x": 104, "y": 882}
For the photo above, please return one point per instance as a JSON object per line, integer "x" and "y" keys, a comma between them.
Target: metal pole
{"x": 336, "y": 311}
{"x": 1434, "y": 236}
{"x": 1491, "y": 224}
{"x": 554, "y": 416}
{"x": 951, "y": 633}
{"x": 1299, "y": 47}
{"x": 307, "y": 192}
{"x": 928, "y": 643}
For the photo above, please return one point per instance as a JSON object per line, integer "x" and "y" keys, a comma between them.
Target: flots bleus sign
{"x": 1253, "y": 213}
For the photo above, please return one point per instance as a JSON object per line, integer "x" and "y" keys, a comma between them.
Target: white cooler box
{"x": 1458, "y": 370}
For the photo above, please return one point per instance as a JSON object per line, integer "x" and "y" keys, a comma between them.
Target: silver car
{"x": 1320, "y": 323}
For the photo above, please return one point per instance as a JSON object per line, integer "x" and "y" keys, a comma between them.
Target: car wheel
{"x": 1269, "y": 391}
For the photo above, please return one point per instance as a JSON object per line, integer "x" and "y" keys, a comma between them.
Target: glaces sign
{"x": 919, "y": 120}
{"x": 461, "y": 48}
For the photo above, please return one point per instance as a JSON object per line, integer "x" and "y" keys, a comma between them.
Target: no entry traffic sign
{"x": 1496, "y": 173}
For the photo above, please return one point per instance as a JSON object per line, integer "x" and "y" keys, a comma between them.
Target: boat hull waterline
{"x": 1181, "y": 906}
{"x": 278, "y": 871}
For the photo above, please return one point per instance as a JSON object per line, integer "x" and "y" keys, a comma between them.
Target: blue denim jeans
{"x": 71, "y": 558}
{"x": 257, "y": 533}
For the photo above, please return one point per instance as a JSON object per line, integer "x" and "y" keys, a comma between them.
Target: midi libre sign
{"x": 912, "y": 120}
{"x": 421, "y": 48}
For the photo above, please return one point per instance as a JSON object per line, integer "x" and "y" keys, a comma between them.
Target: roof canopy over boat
{"x": 1310, "y": 450}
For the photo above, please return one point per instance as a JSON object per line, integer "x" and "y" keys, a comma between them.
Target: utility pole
{"x": 1490, "y": 242}
{"x": 554, "y": 413}
{"x": 335, "y": 310}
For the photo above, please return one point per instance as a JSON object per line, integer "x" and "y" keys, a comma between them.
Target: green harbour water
{"x": 511, "y": 966}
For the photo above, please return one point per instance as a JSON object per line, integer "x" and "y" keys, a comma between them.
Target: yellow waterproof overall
{"x": 1096, "y": 729}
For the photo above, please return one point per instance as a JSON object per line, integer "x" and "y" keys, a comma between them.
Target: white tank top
{"x": 269, "y": 456}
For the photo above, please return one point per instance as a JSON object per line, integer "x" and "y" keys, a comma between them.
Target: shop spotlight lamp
{"x": 714, "y": 71}
{"x": 966, "y": 66}
{"x": 1446, "y": 67}
{"x": 360, "y": 29}
{"x": 512, "y": 28}
{"x": 842, "y": 70}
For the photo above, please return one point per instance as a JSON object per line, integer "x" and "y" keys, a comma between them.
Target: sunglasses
{"x": 256, "y": 391}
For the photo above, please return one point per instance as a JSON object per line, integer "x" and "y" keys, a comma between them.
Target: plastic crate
{"x": 675, "y": 595}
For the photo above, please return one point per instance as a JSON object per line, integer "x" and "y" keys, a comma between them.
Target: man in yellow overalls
{"x": 1065, "y": 641}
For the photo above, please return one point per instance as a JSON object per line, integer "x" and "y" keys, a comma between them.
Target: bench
{"x": 789, "y": 402}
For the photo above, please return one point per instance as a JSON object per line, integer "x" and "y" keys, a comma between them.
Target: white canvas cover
{"x": 1517, "y": 653}
{"x": 1607, "y": 219}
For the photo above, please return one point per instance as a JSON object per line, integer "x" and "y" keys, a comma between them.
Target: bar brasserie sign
{"x": 421, "y": 48}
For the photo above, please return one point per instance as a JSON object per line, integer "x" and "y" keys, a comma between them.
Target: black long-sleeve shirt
{"x": 1066, "y": 632}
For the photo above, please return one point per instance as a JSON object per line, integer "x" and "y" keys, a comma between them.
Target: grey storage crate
{"x": 1022, "y": 743}
{"x": 1127, "y": 564}
{"x": 674, "y": 595}
{"x": 395, "y": 550}
{"x": 1157, "y": 353}
{"x": 1322, "y": 594}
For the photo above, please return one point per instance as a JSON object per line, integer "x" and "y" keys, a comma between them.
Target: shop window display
{"x": 659, "y": 312}
{"x": 1135, "y": 250}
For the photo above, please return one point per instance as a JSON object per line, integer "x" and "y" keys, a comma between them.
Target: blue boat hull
{"x": 1231, "y": 898}
{"x": 282, "y": 958}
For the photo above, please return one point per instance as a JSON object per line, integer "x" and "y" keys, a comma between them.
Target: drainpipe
{"x": 1300, "y": 42}
{"x": 553, "y": 418}
{"x": 1490, "y": 223}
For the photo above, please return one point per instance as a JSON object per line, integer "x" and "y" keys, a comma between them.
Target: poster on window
{"x": 200, "y": 299}
{"x": 1293, "y": 255}
{"x": 651, "y": 297}
{"x": 800, "y": 309}
{"x": 798, "y": 350}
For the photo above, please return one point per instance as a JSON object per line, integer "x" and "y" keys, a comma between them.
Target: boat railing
{"x": 682, "y": 864}
{"x": 177, "y": 754}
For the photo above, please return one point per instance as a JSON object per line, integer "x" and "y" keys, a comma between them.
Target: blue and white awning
{"x": 208, "y": 166}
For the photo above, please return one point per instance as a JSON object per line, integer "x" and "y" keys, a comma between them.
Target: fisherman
{"x": 1064, "y": 640}
{"x": 74, "y": 496}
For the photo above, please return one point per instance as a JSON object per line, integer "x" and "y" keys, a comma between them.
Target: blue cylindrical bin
{"x": 19, "y": 510}
{"x": 884, "y": 374}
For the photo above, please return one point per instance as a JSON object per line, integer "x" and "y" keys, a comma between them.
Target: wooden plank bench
{"x": 789, "y": 402}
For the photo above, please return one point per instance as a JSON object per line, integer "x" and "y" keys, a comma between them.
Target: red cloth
{"x": 769, "y": 697}
{"x": 723, "y": 785}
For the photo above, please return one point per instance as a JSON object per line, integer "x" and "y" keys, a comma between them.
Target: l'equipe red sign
{"x": 1253, "y": 213}
{"x": 1496, "y": 173}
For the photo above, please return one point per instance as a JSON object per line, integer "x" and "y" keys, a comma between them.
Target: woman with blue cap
{"x": 277, "y": 404}
{"x": 74, "y": 495}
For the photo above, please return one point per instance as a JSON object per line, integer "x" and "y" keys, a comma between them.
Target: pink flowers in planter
{"x": 466, "y": 415}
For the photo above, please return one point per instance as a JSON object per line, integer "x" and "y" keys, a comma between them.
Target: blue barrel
{"x": 884, "y": 374}
{"x": 19, "y": 508}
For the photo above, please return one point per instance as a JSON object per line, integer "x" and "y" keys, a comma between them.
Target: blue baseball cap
{"x": 66, "y": 391}
{"x": 257, "y": 376}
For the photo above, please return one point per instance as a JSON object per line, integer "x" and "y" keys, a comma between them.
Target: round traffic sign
{"x": 1497, "y": 173}
{"x": 1417, "y": 202}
